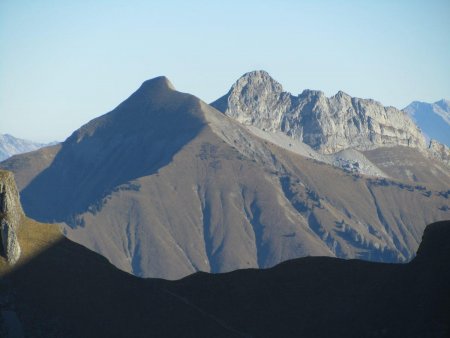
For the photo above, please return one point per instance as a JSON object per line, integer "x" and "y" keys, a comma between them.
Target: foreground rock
{"x": 10, "y": 217}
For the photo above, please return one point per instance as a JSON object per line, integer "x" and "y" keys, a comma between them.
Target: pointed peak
{"x": 444, "y": 104}
{"x": 340, "y": 94}
{"x": 160, "y": 82}
{"x": 258, "y": 79}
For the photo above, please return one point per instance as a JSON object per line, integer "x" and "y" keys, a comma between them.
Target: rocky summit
{"x": 327, "y": 124}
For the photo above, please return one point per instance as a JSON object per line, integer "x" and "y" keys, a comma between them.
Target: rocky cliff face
{"x": 10, "y": 216}
{"x": 439, "y": 151}
{"x": 326, "y": 124}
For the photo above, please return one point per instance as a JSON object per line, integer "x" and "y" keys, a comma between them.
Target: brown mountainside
{"x": 165, "y": 185}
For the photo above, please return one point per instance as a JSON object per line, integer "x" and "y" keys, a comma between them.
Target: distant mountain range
{"x": 166, "y": 185}
{"x": 10, "y": 145}
{"x": 432, "y": 118}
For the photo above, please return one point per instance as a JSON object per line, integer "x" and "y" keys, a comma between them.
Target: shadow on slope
{"x": 137, "y": 138}
{"x": 69, "y": 291}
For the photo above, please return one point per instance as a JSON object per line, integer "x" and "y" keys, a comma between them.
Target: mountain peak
{"x": 443, "y": 104}
{"x": 160, "y": 82}
{"x": 322, "y": 123}
{"x": 340, "y": 95}
{"x": 259, "y": 80}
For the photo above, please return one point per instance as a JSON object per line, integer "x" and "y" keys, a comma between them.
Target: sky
{"x": 63, "y": 63}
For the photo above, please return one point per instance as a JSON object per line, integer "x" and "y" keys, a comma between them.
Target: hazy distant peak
{"x": 10, "y": 145}
{"x": 432, "y": 118}
{"x": 443, "y": 104}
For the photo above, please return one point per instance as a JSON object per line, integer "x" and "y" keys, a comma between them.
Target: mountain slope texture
{"x": 61, "y": 289}
{"x": 166, "y": 185}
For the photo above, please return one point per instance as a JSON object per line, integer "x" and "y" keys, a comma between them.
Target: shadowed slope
{"x": 135, "y": 139}
{"x": 67, "y": 290}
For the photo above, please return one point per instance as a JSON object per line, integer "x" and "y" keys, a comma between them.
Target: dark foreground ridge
{"x": 68, "y": 291}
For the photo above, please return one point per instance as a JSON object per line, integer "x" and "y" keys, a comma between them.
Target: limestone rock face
{"x": 11, "y": 214}
{"x": 326, "y": 124}
{"x": 440, "y": 151}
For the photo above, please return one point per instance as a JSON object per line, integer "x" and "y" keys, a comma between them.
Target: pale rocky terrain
{"x": 165, "y": 185}
{"x": 326, "y": 124}
{"x": 332, "y": 124}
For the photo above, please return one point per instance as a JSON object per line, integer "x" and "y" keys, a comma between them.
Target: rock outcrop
{"x": 439, "y": 151}
{"x": 326, "y": 124}
{"x": 10, "y": 216}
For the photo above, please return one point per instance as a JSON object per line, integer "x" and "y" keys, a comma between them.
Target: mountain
{"x": 327, "y": 125}
{"x": 432, "y": 118}
{"x": 10, "y": 145}
{"x": 165, "y": 185}
{"x": 61, "y": 289}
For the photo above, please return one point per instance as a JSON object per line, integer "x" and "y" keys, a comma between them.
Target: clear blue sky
{"x": 63, "y": 63}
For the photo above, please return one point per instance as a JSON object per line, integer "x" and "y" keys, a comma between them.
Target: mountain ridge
{"x": 326, "y": 124}
{"x": 165, "y": 185}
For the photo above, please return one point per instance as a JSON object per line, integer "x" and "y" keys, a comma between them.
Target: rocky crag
{"x": 327, "y": 124}
{"x": 10, "y": 216}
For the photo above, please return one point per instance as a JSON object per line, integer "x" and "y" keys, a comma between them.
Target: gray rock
{"x": 11, "y": 247}
{"x": 11, "y": 214}
{"x": 439, "y": 151}
{"x": 326, "y": 124}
